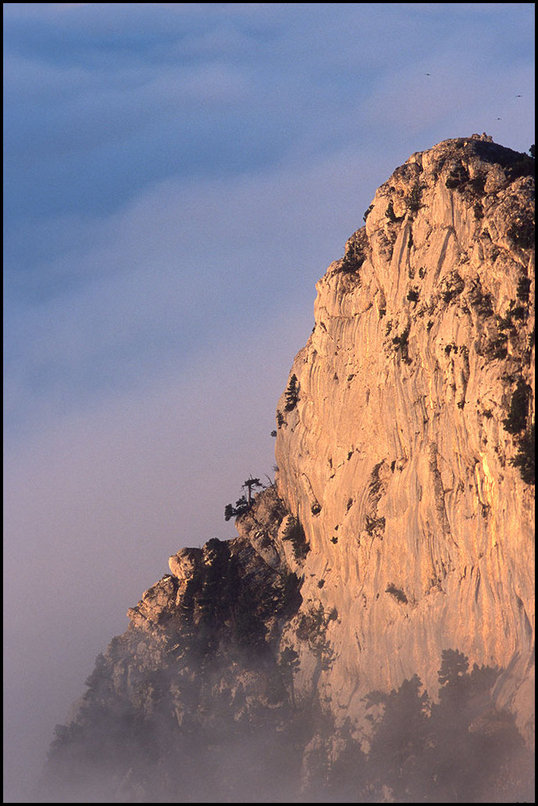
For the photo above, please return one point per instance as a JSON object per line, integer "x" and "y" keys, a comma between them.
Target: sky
{"x": 177, "y": 177}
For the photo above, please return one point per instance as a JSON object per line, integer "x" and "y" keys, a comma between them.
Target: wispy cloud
{"x": 146, "y": 289}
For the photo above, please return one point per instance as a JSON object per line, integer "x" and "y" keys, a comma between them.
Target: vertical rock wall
{"x": 410, "y": 400}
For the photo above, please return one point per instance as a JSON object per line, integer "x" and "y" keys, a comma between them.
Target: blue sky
{"x": 176, "y": 179}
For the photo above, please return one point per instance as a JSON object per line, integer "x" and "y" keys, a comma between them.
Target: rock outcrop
{"x": 399, "y": 527}
{"x": 415, "y": 392}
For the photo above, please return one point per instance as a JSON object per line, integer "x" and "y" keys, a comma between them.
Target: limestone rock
{"x": 396, "y": 456}
{"x": 184, "y": 564}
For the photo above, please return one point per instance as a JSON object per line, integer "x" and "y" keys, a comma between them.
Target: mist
{"x": 197, "y": 701}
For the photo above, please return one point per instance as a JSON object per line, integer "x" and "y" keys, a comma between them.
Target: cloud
{"x": 143, "y": 291}
{"x": 95, "y": 503}
{"x": 92, "y": 123}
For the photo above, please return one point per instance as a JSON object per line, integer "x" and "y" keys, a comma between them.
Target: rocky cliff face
{"x": 397, "y": 455}
{"x": 399, "y": 526}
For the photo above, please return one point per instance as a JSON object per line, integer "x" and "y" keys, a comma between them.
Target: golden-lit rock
{"x": 184, "y": 564}
{"x": 396, "y": 456}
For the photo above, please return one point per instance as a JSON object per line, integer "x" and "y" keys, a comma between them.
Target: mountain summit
{"x": 369, "y": 634}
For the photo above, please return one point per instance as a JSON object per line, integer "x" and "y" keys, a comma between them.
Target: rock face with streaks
{"x": 411, "y": 399}
{"x": 398, "y": 531}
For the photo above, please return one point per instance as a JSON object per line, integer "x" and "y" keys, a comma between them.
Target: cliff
{"x": 397, "y": 537}
{"x": 414, "y": 391}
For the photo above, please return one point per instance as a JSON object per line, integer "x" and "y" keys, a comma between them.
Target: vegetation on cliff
{"x": 227, "y": 747}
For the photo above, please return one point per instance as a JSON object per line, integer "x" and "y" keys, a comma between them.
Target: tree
{"x": 249, "y": 484}
{"x": 292, "y": 393}
{"x": 396, "y": 757}
{"x": 348, "y": 772}
{"x": 241, "y": 506}
{"x": 454, "y": 666}
{"x": 289, "y": 663}
{"x": 524, "y": 458}
{"x": 294, "y": 532}
{"x": 413, "y": 200}
{"x": 471, "y": 735}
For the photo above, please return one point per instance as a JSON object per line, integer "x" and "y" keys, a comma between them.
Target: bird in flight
{"x": 427, "y": 74}
{"x": 518, "y": 96}
{"x": 499, "y": 118}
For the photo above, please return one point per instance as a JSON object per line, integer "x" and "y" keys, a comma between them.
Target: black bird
{"x": 499, "y": 118}
{"x": 518, "y": 96}
{"x": 427, "y": 74}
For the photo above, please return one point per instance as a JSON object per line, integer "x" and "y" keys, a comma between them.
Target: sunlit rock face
{"x": 399, "y": 526}
{"x": 398, "y": 429}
